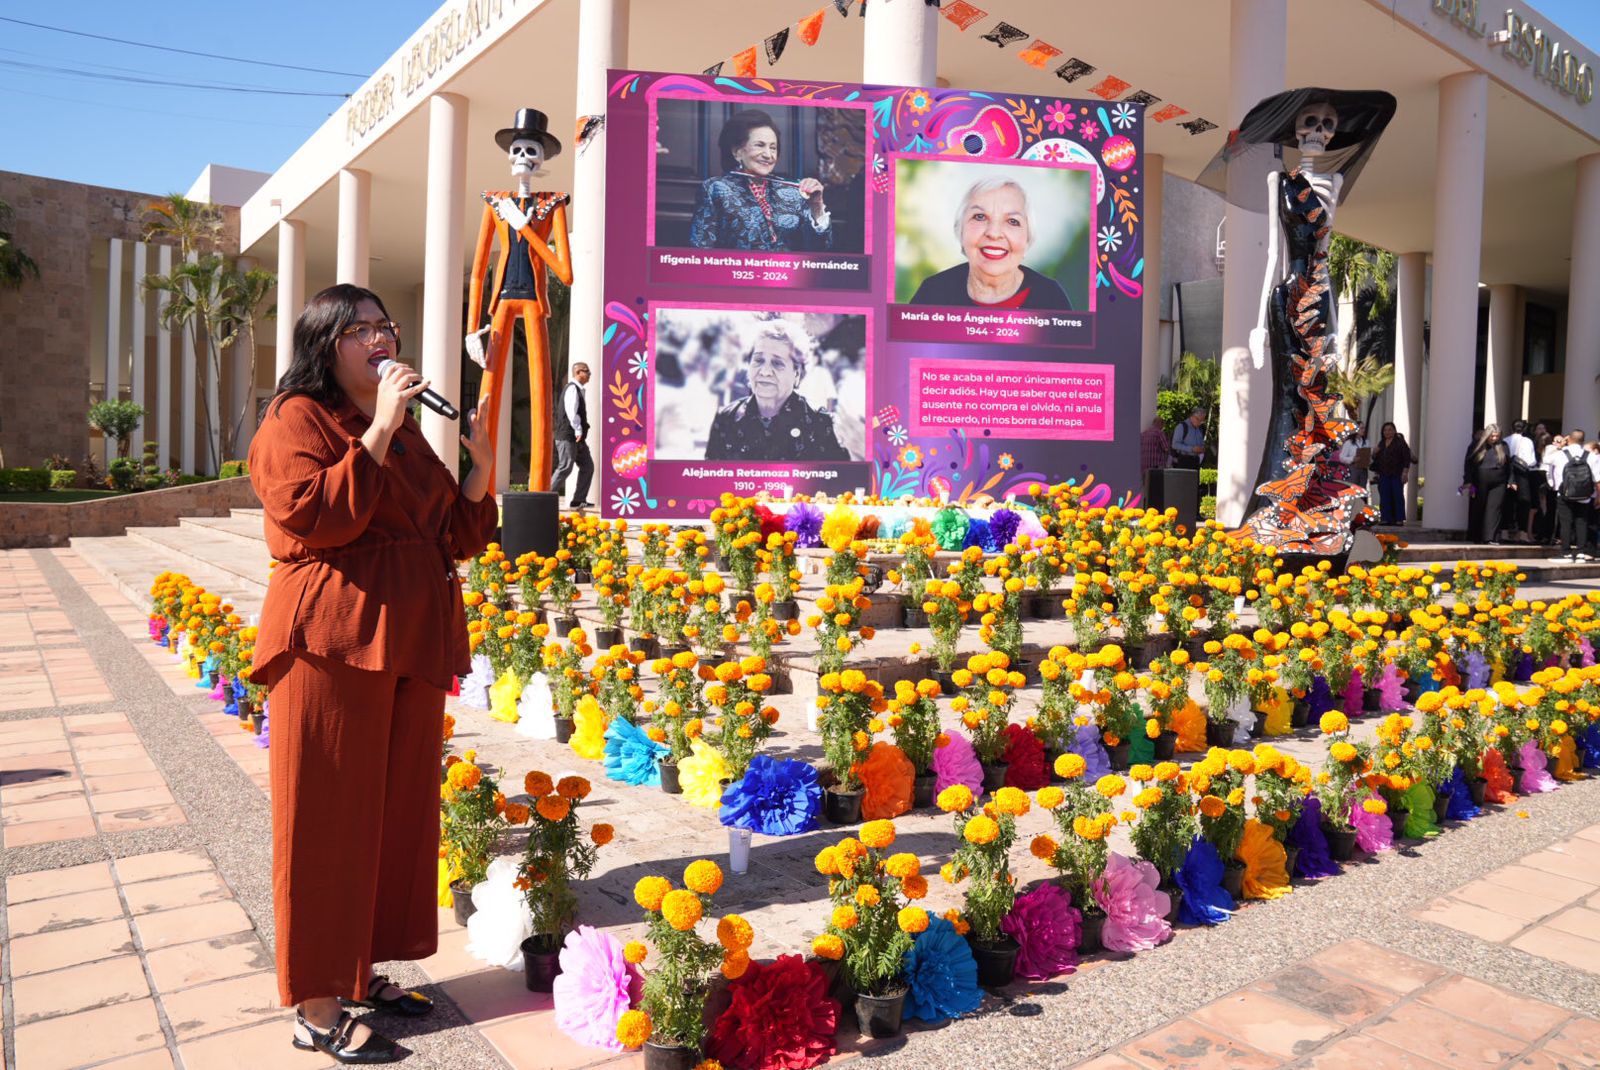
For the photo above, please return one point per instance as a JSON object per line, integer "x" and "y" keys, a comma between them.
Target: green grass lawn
{"x": 57, "y": 497}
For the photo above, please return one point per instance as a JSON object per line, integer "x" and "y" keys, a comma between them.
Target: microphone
{"x": 437, "y": 402}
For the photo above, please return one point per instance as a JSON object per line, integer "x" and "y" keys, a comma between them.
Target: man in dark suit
{"x": 572, "y": 439}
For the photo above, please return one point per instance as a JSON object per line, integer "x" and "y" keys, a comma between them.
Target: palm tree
{"x": 199, "y": 295}
{"x": 1360, "y": 383}
{"x": 16, "y": 266}
{"x": 193, "y": 226}
{"x": 249, "y": 291}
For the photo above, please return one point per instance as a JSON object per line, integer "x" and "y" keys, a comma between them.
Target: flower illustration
{"x": 1007, "y": 462}
{"x": 897, "y": 435}
{"x": 1110, "y": 239}
{"x": 919, "y": 101}
{"x": 638, "y": 364}
{"x": 625, "y": 501}
{"x": 1123, "y": 116}
{"x": 1089, "y": 130}
{"x": 911, "y": 457}
{"x": 1052, "y": 153}
{"x": 1059, "y": 117}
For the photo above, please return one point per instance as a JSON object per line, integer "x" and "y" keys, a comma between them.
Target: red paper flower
{"x": 771, "y": 523}
{"x": 1024, "y": 758}
{"x": 780, "y": 1018}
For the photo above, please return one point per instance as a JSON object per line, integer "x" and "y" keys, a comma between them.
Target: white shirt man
{"x": 1573, "y": 517}
{"x": 1521, "y": 447}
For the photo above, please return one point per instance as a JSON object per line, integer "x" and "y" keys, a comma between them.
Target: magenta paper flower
{"x": 1047, "y": 928}
{"x": 1374, "y": 832}
{"x": 595, "y": 985}
{"x": 1136, "y": 913}
{"x": 957, "y": 763}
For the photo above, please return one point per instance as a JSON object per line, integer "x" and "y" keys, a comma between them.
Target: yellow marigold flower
{"x": 981, "y": 829}
{"x": 1070, "y": 765}
{"x": 635, "y": 952}
{"x": 1110, "y": 785}
{"x": 1166, "y": 771}
{"x": 734, "y": 933}
{"x": 1013, "y": 801}
{"x": 1211, "y": 806}
{"x": 1236, "y": 797}
{"x": 1147, "y": 798}
{"x": 633, "y": 1029}
{"x": 464, "y": 776}
{"x": 1050, "y": 797}
{"x": 826, "y": 862}
{"x": 1087, "y": 828}
{"x": 1042, "y": 847}
{"x": 828, "y": 946}
{"x": 912, "y": 920}
{"x": 844, "y": 917}
{"x": 1141, "y": 773}
{"x": 1334, "y": 721}
{"x": 703, "y": 876}
{"x": 681, "y": 909}
{"x": 648, "y": 892}
{"x": 1375, "y": 806}
{"x": 867, "y": 895}
{"x": 1242, "y": 761}
{"x": 1342, "y": 751}
{"x": 902, "y": 865}
{"x": 878, "y": 834}
{"x": 955, "y": 799}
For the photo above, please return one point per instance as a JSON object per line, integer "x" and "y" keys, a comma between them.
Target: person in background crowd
{"x": 1547, "y": 461}
{"x": 1524, "y": 469}
{"x": 1488, "y": 472}
{"x": 1574, "y": 473}
{"x": 572, "y": 439}
{"x": 1541, "y": 520}
{"x": 1153, "y": 451}
{"x": 1391, "y": 462}
{"x": 1189, "y": 441}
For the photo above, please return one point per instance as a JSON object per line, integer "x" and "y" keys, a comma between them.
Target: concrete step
{"x": 1538, "y": 570}
{"x": 253, "y": 511}
{"x": 131, "y": 564}
{"x": 190, "y": 548}
{"x": 1430, "y": 551}
{"x": 246, "y": 530}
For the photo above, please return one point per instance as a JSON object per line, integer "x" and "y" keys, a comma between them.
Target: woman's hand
{"x": 394, "y": 395}
{"x": 811, "y": 190}
{"x": 477, "y": 440}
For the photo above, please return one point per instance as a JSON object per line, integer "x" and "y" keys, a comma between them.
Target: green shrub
{"x": 1174, "y": 406}
{"x": 234, "y": 469}
{"x": 121, "y": 473}
{"x": 62, "y": 478}
{"x": 116, "y": 420}
{"x": 24, "y": 480}
{"x": 187, "y": 480}
{"x": 1208, "y": 507}
{"x": 1208, "y": 477}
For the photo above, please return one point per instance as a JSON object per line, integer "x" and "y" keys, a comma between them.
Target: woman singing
{"x": 751, "y": 208}
{"x": 361, "y": 633}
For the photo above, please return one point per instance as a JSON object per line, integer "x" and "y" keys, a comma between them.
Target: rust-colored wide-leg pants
{"x": 355, "y": 824}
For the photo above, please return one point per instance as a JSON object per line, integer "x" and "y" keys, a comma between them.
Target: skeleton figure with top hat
{"x": 531, "y": 231}
{"x": 1306, "y": 504}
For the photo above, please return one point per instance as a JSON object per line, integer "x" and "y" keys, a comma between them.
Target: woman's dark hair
{"x": 1519, "y": 427}
{"x": 736, "y": 131}
{"x": 316, "y": 341}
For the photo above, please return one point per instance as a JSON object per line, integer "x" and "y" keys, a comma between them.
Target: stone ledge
{"x": 25, "y": 524}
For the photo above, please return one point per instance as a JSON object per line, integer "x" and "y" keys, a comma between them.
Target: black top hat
{"x": 530, "y": 123}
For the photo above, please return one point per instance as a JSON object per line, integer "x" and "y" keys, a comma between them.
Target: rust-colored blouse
{"x": 366, "y": 552}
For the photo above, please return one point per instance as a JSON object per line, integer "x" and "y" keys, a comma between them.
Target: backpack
{"x": 1577, "y": 481}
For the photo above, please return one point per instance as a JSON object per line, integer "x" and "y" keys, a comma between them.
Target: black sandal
{"x": 335, "y": 1041}
{"x": 408, "y": 1004}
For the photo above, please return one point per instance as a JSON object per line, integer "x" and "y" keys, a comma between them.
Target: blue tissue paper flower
{"x": 941, "y": 975}
{"x": 1003, "y": 527}
{"x": 1205, "y": 900}
{"x": 631, "y": 755}
{"x": 776, "y": 797}
{"x": 978, "y": 535}
{"x": 1460, "y": 807}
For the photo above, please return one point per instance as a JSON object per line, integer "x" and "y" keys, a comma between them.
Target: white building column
{"x": 1150, "y": 338}
{"x": 113, "y": 377}
{"x": 1502, "y": 398}
{"x": 186, "y": 388}
{"x": 900, "y": 44}
{"x": 602, "y": 44}
{"x": 355, "y": 211}
{"x": 1457, "y": 247}
{"x": 1257, "y": 43}
{"x": 1583, "y": 311}
{"x": 136, "y": 376}
{"x": 1410, "y": 312}
{"x": 443, "y": 275}
{"x": 163, "y": 365}
{"x": 291, "y": 289}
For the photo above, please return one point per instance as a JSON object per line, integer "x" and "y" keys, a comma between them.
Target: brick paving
{"x": 161, "y": 958}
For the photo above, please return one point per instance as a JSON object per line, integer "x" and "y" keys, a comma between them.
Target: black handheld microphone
{"x": 436, "y": 402}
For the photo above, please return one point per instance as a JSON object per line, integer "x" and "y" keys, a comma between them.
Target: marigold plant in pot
{"x": 983, "y": 862}
{"x": 913, "y": 716}
{"x": 1084, "y": 817}
{"x": 848, "y": 703}
{"x": 744, "y": 718}
{"x": 556, "y": 854}
{"x": 472, "y": 821}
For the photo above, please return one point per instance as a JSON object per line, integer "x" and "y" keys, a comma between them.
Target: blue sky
{"x": 69, "y": 111}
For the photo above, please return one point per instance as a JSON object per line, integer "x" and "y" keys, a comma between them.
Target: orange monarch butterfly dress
{"x": 1305, "y": 503}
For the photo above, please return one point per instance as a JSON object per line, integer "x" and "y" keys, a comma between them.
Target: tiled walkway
{"x": 137, "y": 922}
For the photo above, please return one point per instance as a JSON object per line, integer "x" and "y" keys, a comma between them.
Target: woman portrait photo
{"x": 775, "y": 179}
{"x": 754, "y": 386}
{"x": 1019, "y": 232}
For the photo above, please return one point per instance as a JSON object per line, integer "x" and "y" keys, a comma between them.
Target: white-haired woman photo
{"x": 774, "y": 423}
{"x": 994, "y": 229}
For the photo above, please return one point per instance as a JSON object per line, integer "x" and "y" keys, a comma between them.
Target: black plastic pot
{"x": 669, "y": 652}
{"x": 669, "y": 778}
{"x": 1175, "y": 897}
{"x": 1166, "y": 746}
{"x": 1029, "y": 668}
{"x": 997, "y": 962}
{"x": 1397, "y": 818}
{"x": 1291, "y": 858}
{"x": 256, "y": 721}
{"x": 879, "y": 1016}
{"x": 1476, "y": 788}
{"x": 1300, "y": 716}
{"x": 1046, "y": 607}
{"x": 541, "y": 962}
{"x": 582, "y": 575}
{"x": 669, "y": 1056}
{"x": 563, "y": 729}
{"x": 1050, "y": 756}
{"x": 788, "y": 609}
{"x": 606, "y": 638}
{"x": 1441, "y": 806}
{"x": 1120, "y": 756}
{"x": 1341, "y": 842}
{"x": 561, "y": 626}
{"x": 461, "y": 902}
{"x": 922, "y": 790}
{"x": 913, "y": 617}
{"x": 994, "y": 776}
{"x": 1233, "y": 879}
{"x": 1371, "y": 702}
{"x": 1089, "y": 932}
{"x": 1258, "y": 729}
{"x": 1138, "y": 655}
{"x": 946, "y": 684}
{"x": 842, "y": 807}
{"x": 646, "y": 645}
{"x": 1220, "y": 733}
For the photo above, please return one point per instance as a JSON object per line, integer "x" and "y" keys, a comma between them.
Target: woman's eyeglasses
{"x": 367, "y": 333}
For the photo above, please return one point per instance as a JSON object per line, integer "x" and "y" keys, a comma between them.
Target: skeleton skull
{"x": 526, "y": 157}
{"x": 1315, "y": 127}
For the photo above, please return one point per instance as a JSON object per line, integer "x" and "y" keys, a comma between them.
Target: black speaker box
{"x": 1174, "y": 488}
{"x": 529, "y": 520}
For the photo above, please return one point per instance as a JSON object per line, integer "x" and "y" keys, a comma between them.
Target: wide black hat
{"x": 1269, "y": 128}
{"x": 532, "y": 124}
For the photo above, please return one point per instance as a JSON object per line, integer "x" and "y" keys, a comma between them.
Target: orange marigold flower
{"x": 553, "y": 808}
{"x": 573, "y": 787}
{"x": 635, "y": 952}
{"x": 633, "y": 1029}
{"x": 878, "y": 834}
{"x": 912, "y": 920}
{"x": 703, "y": 876}
{"x": 828, "y": 946}
{"x": 734, "y": 933}
{"x": 602, "y": 834}
{"x": 537, "y": 784}
{"x": 650, "y": 891}
{"x": 681, "y": 908}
